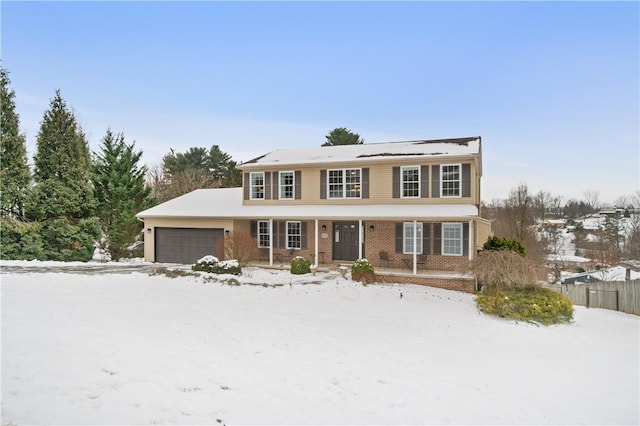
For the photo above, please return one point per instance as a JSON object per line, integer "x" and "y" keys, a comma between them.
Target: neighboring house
{"x": 416, "y": 201}
{"x": 624, "y": 271}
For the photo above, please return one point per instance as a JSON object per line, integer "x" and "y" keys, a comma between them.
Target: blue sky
{"x": 552, "y": 88}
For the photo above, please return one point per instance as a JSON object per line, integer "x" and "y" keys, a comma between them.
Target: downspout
{"x": 415, "y": 247}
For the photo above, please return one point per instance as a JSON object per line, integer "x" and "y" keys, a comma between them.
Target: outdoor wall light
{"x": 324, "y": 228}
{"x": 148, "y": 230}
{"x": 226, "y": 232}
{"x": 371, "y": 228}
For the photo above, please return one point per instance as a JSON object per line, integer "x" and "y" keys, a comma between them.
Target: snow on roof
{"x": 227, "y": 203}
{"x": 368, "y": 152}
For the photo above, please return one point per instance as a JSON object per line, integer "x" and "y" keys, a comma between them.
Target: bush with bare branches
{"x": 503, "y": 270}
{"x": 240, "y": 246}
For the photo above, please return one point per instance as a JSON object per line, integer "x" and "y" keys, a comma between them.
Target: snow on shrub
{"x": 300, "y": 266}
{"x": 213, "y": 265}
{"x": 362, "y": 270}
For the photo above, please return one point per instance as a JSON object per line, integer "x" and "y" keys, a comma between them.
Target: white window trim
{"x": 293, "y": 185}
{"x": 402, "y": 181}
{"x": 344, "y": 184}
{"x": 419, "y": 226}
{"x": 459, "y": 226}
{"x": 459, "y": 181}
{"x": 268, "y": 234}
{"x": 287, "y": 234}
{"x": 251, "y": 186}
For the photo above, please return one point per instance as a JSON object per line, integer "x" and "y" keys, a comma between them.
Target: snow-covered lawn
{"x": 131, "y": 348}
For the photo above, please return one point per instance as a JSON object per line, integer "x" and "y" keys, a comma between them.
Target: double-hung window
{"x": 264, "y": 234}
{"x": 410, "y": 181}
{"x": 450, "y": 180}
{"x": 257, "y": 185}
{"x": 294, "y": 234}
{"x": 344, "y": 183}
{"x": 452, "y": 239}
{"x": 287, "y": 185}
{"x": 407, "y": 237}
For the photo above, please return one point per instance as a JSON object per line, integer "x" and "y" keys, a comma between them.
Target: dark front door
{"x": 345, "y": 240}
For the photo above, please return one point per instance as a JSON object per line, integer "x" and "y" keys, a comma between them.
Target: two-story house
{"x": 407, "y": 206}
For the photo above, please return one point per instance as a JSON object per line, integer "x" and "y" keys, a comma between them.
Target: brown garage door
{"x": 186, "y": 245}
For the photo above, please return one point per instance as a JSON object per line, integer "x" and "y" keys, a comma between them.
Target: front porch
{"x": 393, "y": 275}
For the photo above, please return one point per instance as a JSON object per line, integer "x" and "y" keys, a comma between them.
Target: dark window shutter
{"x": 365, "y": 183}
{"x": 424, "y": 181}
{"x": 426, "y": 238}
{"x": 435, "y": 181}
{"x": 396, "y": 182}
{"x": 465, "y": 239}
{"x": 276, "y": 185}
{"x": 303, "y": 235}
{"x": 437, "y": 238}
{"x": 466, "y": 180}
{"x": 254, "y": 228}
{"x": 323, "y": 184}
{"x": 298, "y": 184}
{"x": 399, "y": 237}
{"x": 247, "y": 186}
{"x": 267, "y": 186}
{"x": 282, "y": 234}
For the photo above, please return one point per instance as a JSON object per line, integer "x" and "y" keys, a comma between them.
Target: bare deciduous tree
{"x": 592, "y": 198}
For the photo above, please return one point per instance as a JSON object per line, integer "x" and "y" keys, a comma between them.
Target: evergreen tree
{"x": 14, "y": 170}
{"x": 342, "y": 136}
{"x": 62, "y": 161}
{"x": 120, "y": 191}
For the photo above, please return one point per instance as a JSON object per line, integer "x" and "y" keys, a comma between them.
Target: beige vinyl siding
{"x": 380, "y": 185}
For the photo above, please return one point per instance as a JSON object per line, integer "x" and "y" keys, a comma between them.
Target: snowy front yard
{"x": 131, "y": 348}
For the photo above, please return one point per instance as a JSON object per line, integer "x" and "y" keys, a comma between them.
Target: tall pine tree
{"x": 121, "y": 191}
{"x": 14, "y": 170}
{"x": 62, "y": 197}
{"x": 62, "y": 161}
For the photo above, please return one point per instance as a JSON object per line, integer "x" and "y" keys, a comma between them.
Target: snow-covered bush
{"x": 532, "y": 304}
{"x": 213, "y": 265}
{"x": 300, "y": 266}
{"x": 362, "y": 270}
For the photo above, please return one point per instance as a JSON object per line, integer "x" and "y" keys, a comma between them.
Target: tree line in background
{"x": 522, "y": 216}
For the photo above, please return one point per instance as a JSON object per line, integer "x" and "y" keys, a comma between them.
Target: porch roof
{"x": 227, "y": 203}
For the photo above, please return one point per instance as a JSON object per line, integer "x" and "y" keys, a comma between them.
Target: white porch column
{"x": 360, "y": 238}
{"x": 415, "y": 247}
{"x": 270, "y": 242}
{"x": 315, "y": 255}
{"x": 472, "y": 240}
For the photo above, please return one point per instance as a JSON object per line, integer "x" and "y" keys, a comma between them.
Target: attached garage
{"x": 186, "y": 245}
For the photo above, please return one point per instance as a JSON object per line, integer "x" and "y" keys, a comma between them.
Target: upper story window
{"x": 294, "y": 234}
{"x": 287, "y": 185}
{"x": 410, "y": 176}
{"x": 450, "y": 180}
{"x": 257, "y": 186}
{"x": 407, "y": 237}
{"x": 264, "y": 233}
{"x": 452, "y": 239}
{"x": 344, "y": 183}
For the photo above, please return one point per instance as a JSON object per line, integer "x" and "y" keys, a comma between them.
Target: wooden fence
{"x": 623, "y": 296}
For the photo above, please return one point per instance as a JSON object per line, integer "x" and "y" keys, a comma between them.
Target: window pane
{"x": 257, "y": 185}
{"x": 452, "y": 239}
{"x": 263, "y": 233}
{"x": 294, "y": 236}
{"x": 352, "y": 180}
{"x": 286, "y": 185}
{"x": 335, "y": 183}
{"x": 451, "y": 180}
{"x": 410, "y": 182}
{"x": 408, "y": 237}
